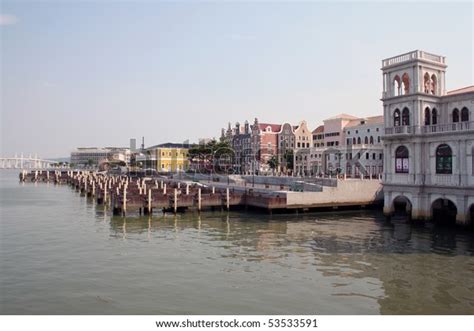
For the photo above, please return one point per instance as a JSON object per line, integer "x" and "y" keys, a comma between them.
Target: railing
{"x": 430, "y": 129}
{"x": 445, "y": 180}
{"x": 411, "y": 56}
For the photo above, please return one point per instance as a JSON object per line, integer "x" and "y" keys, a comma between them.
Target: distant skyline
{"x": 99, "y": 73}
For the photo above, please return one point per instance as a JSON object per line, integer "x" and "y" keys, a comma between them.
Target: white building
{"x": 93, "y": 156}
{"x": 348, "y": 145}
{"x": 428, "y": 142}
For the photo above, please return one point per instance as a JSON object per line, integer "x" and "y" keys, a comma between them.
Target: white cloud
{"x": 6, "y": 19}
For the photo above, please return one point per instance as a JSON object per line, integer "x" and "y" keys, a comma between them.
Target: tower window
{"x": 444, "y": 159}
{"x": 455, "y": 115}
{"x": 401, "y": 160}
{"x": 464, "y": 115}
{"x": 396, "y": 117}
{"x": 405, "y": 116}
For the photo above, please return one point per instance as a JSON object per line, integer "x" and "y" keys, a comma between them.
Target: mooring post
{"x": 93, "y": 188}
{"x": 187, "y": 189}
{"x": 149, "y": 201}
{"x": 213, "y": 190}
{"x": 47, "y": 175}
{"x": 175, "y": 200}
{"x": 164, "y": 189}
{"x": 227, "y": 198}
{"x": 179, "y": 185}
{"x": 124, "y": 207}
{"x": 199, "y": 199}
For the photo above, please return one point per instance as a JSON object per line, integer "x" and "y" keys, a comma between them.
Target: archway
{"x": 401, "y": 208}
{"x": 444, "y": 211}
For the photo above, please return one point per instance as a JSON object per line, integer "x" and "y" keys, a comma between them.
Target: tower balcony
{"x": 429, "y": 129}
{"x": 414, "y": 55}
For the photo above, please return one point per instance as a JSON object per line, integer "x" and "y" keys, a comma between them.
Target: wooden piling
{"x": 149, "y": 202}
{"x": 199, "y": 199}
{"x": 175, "y": 200}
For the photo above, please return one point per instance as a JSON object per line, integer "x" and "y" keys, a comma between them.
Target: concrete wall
{"x": 347, "y": 192}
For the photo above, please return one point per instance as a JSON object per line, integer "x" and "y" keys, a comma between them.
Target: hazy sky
{"x": 97, "y": 73}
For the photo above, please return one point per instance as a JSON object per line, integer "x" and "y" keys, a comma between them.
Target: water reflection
{"x": 405, "y": 269}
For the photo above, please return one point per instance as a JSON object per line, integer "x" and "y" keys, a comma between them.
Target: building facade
{"x": 169, "y": 157}
{"x": 264, "y": 144}
{"x": 303, "y": 143}
{"x": 286, "y": 146}
{"x": 94, "y": 156}
{"x": 428, "y": 141}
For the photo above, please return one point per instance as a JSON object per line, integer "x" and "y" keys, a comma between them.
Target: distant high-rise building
{"x": 133, "y": 145}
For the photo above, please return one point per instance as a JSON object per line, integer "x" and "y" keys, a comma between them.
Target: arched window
{"x": 455, "y": 115}
{"x": 444, "y": 159}
{"x": 405, "y": 116}
{"x": 396, "y": 86}
{"x": 434, "y": 82}
{"x": 358, "y": 141}
{"x": 464, "y": 115}
{"x": 366, "y": 140}
{"x": 426, "y": 83}
{"x": 396, "y": 117}
{"x": 354, "y": 141}
{"x": 434, "y": 116}
{"x": 405, "y": 83}
{"x": 401, "y": 160}
{"x": 371, "y": 140}
{"x": 427, "y": 116}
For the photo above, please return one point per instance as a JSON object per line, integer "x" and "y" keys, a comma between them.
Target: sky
{"x": 97, "y": 73}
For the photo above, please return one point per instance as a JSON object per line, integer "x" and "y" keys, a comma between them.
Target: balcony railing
{"x": 430, "y": 129}
{"x": 411, "y": 56}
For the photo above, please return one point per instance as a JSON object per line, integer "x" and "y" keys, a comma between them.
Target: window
{"x": 464, "y": 115}
{"x": 396, "y": 117}
{"x": 427, "y": 83}
{"x": 405, "y": 116}
{"x": 366, "y": 140}
{"x": 371, "y": 140}
{"x": 373, "y": 156}
{"x": 358, "y": 141}
{"x": 378, "y": 139}
{"x": 444, "y": 159}
{"x": 396, "y": 86}
{"x": 348, "y": 141}
{"x": 354, "y": 141}
{"x": 401, "y": 160}
{"x": 366, "y": 156}
{"x": 405, "y": 84}
{"x": 427, "y": 116}
{"x": 455, "y": 115}
{"x": 433, "y": 84}
{"x": 434, "y": 116}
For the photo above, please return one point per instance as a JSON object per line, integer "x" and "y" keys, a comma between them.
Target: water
{"x": 61, "y": 254}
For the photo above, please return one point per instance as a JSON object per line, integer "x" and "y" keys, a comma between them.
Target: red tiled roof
{"x": 319, "y": 129}
{"x": 467, "y": 89}
{"x": 274, "y": 127}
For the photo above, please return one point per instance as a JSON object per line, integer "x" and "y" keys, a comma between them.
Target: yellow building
{"x": 169, "y": 157}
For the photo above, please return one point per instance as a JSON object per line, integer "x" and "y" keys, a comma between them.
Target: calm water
{"x": 60, "y": 254}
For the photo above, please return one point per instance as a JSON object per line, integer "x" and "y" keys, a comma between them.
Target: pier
{"x": 127, "y": 195}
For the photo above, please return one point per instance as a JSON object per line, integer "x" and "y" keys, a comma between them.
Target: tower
{"x": 412, "y": 82}
{"x": 428, "y": 144}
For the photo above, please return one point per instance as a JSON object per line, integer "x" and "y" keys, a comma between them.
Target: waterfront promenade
{"x": 148, "y": 195}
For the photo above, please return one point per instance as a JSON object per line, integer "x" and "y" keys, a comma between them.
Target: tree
{"x": 289, "y": 155}
{"x": 273, "y": 162}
